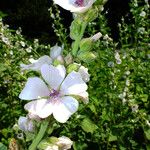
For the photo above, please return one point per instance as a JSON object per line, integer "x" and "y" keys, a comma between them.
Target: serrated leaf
{"x": 88, "y": 126}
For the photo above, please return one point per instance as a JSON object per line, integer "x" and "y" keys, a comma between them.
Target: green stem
{"x": 77, "y": 41}
{"x": 40, "y": 135}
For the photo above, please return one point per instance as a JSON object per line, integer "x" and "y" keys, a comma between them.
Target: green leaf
{"x": 112, "y": 138}
{"x": 147, "y": 134}
{"x": 2, "y": 147}
{"x": 29, "y": 136}
{"x": 144, "y": 97}
{"x": 79, "y": 146}
{"x": 88, "y": 126}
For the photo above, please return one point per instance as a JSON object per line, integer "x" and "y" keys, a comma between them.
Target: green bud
{"x": 72, "y": 67}
{"x": 86, "y": 44}
{"x": 56, "y": 62}
{"x": 91, "y": 14}
{"x": 75, "y": 28}
{"x": 87, "y": 56}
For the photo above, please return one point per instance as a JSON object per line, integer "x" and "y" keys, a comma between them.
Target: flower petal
{"x": 53, "y": 75}
{"x": 84, "y": 74}
{"x": 55, "y": 51}
{"x": 65, "y": 108}
{"x": 36, "y": 65}
{"x": 42, "y": 108}
{"x": 73, "y": 84}
{"x": 34, "y": 89}
{"x": 25, "y": 124}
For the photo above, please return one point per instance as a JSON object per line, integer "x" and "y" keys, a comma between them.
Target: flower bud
{"x": 91, "y": 15}
{"x": 68, "y": 59}
{"x": 75, "y": 28}
{"x": 85, "y": 44}
{"x": 87, "y": 56}
{"x": 73, "y": 67}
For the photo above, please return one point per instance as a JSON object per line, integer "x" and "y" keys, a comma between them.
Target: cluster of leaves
{"x": 117, "y": 116}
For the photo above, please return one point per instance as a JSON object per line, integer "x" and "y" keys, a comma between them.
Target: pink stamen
{"x": 79, "y": 2}
{"x": 54, "y": 94}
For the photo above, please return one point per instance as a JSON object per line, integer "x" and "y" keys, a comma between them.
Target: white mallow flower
{"x": 26, "y": 124}
{"x": 77, "y": 6}
{"x": 64, "y": 143}
{"x": 54, "y": 96}
{"x": 55, "y": 53}
{"x": 61, "y": 143}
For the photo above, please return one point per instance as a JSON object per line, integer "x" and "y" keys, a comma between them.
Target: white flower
{"x": 61, "y": 143}
{"x": 143, "y": 14}
{"x": 55, "y": 98}
{"x": 25, "y": 124}
{"x": 55, "y": 53}
{"x": 64, "y": 143}
{"x": 77, "y": 6}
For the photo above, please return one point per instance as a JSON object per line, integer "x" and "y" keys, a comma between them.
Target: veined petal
{"x": 53, "y": 75}
{"x": 34, "y": 89}
{"x": 65, "y": 108}
{"x": 55, "y": 51}
{"x": 73, "y": 84}
{"x": 25, "y": 124}
{"x": 36, "y": 65}
{"x": 42, "y": 108}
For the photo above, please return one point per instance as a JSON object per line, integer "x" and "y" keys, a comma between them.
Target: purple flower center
{"x": 54, "y": 93}
{"x": 79, "y": 2}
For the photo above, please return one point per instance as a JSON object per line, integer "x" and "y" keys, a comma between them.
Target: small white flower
{"x": 55, "y": 53}
{"x": 22, "y": 44}
{"x": 77, "y": 6}
{"x": 55, "y": 98}
{"x": 141, "y": 30}
{"x": 110, "y": 64}
{"x": 143, "y": 14}
{"x": 25, "y": 124}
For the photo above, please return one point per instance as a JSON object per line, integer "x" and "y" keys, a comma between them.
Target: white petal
{"x": 25, "y": 124}
{"x": 36, "y": 65}
{"x": 70, "y": 5}
{"x": 84, "y": 97}
{"x": 22, "y": 123}
{"x": 73, "y": 84}
{"x": 34, "y": 89}
{"x": 65, "y": 108}
{"x": 53, "y": 75}
{"x": 42, "y": 108}
{"x": 65, "y": 142}
{"x": 55, "y": 51}
{"x": 84, "y": 73}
